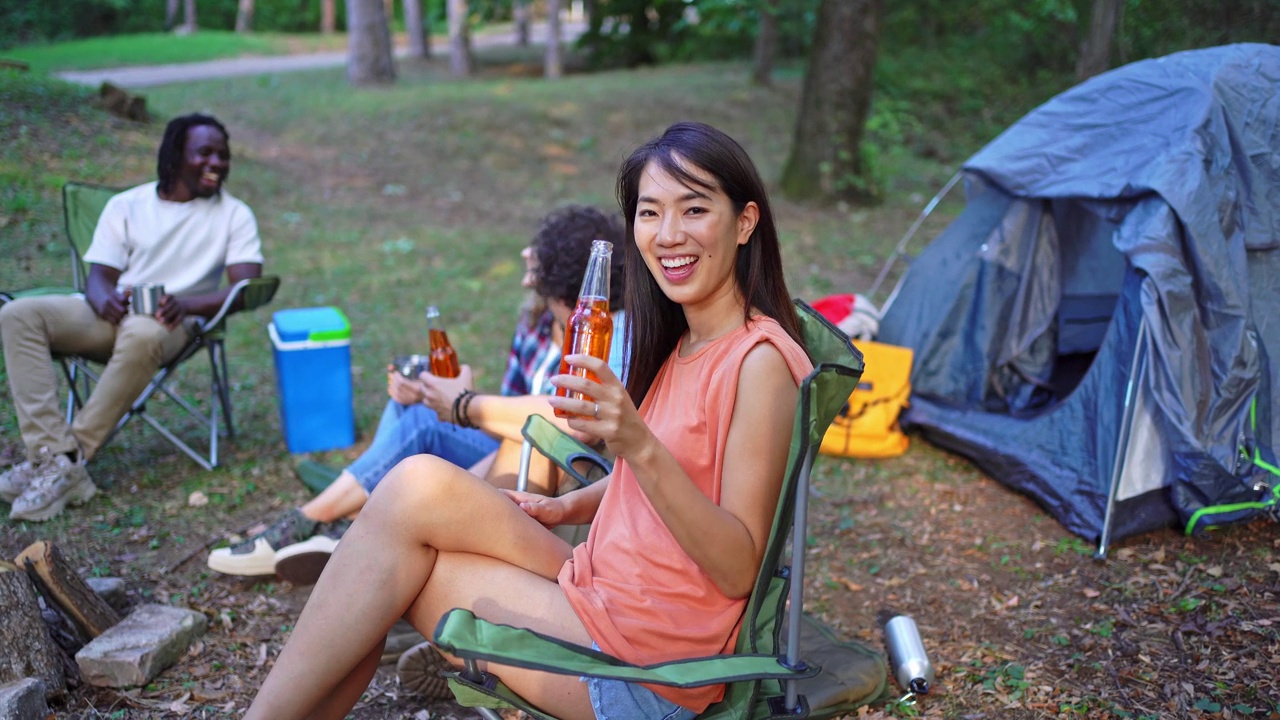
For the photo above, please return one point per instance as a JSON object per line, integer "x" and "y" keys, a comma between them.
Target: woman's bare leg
{"x": 344, "y": 497}
{"x": 425, "y": 505}
{"x": 503, "y": 593}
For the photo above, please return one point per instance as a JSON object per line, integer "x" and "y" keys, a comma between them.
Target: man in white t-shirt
{"x": 183, "y": 231}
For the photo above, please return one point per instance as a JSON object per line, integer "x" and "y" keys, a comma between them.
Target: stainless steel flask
{"x": 911, "y": 665}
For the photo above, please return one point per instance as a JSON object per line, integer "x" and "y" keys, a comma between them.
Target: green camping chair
{"x": 82, "y": 205}
{"x": 786, "y": 664}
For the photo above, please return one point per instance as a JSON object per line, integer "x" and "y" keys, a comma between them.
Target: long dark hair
{"x": 174, "y": 143}
{"x": 655, "y": 323}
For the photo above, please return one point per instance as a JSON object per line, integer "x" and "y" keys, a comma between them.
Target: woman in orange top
{"x": 681, "y": 524}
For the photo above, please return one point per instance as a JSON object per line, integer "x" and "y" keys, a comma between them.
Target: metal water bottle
{"x": 911, "y": 665}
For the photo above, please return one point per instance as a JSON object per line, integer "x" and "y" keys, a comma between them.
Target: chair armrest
{"x": 561, "y": 448}
{"x": 255, "y": 291}
{"x": 462, "y": 634}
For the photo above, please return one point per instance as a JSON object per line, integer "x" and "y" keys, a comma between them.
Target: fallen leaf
{"x": 1090, "y": 593}
{"x": 197, "y": 499}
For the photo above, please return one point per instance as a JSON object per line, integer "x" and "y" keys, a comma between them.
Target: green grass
{"x": 164, "y": 48}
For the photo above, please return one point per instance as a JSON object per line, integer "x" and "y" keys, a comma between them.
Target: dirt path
{"x": 140, "y": 76}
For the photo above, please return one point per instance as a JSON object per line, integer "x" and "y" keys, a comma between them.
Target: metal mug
{"x": 411, "y": 366}
{"x": 145, "y": 299}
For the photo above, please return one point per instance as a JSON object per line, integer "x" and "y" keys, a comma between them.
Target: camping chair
{"x": 766, "y": 677}
{"x": 82, "y": 204}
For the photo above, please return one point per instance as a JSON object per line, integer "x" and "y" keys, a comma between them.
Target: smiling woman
{"x": 696, "y": 482}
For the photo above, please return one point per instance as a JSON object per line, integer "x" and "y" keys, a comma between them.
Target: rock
{"x": 110, "y": 589}
{"x": 136, "y": 649}
{"x": 118, "y": 101}
{"x": 23, "y": 700}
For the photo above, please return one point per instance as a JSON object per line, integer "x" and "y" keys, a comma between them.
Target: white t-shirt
{"x": 184, "y": 245}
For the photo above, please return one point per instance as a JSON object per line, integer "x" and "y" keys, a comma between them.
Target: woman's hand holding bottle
{"x": 438, "y": 393}
{"x": 609, "y": 414}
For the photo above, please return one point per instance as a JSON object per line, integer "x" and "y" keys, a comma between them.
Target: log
{"x": 63, "y": 587}
{"x": 26, "y": 650}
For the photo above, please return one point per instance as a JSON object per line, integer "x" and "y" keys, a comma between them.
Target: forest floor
{"x": 376, "y": 200}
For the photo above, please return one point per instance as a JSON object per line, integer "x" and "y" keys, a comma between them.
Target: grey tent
{"x": 1099, "y": 327}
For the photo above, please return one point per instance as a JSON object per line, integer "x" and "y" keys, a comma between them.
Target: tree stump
{"x": 63, "y": 587}
{"x": 26, "y": 650}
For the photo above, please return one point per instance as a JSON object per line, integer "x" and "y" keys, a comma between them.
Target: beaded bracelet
{"x": 466, "y": 410}
{"x": 454, "y": 416}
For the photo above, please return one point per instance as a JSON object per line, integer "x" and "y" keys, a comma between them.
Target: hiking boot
{"x": 400, "y": 639}
{"x": 302, "y": 563}
{"x": 420, "y": 671}
{"x": 55, "y": 481}
{"x": 257, "y": 555}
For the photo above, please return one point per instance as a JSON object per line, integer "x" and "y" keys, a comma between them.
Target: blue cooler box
{"x": 312, "y": 348}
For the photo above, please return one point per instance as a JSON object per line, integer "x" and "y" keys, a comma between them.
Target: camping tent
{"x": 1100, "y": 327}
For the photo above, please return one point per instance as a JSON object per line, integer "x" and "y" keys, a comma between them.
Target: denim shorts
{"x": 621, "y": 700}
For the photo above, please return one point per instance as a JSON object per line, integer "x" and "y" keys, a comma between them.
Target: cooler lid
{"x": 317, "y": 324}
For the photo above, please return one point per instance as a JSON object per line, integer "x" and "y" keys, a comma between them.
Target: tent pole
{"x": 1136, "y": 368}
{"x": 901, "y": 249}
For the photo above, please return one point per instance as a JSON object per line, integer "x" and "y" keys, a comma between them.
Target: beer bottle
{"x": 444, "y": 360}
{"x": 590, "y": 327}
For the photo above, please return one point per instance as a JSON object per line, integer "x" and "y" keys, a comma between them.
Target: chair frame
{"x": 462, "y": 635}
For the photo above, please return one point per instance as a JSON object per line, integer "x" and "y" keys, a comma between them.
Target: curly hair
{"x": 562, "y": 246}
{"x": 173, "y": 146}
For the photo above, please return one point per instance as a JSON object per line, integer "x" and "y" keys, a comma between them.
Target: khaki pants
{"x": 37, "y": 328}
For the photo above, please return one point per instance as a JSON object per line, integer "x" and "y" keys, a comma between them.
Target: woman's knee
{"x": 415, "y": 481}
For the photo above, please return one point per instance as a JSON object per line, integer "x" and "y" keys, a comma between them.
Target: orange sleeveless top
{"x": 641, "y": 598}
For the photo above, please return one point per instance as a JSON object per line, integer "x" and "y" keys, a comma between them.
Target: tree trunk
{"x": 368, "y": 44}
{"x": 826, "y": 159}
{"x": 1095, "y": 50}
{"x": 62, "y": 586}
{"x": 554, "y": 66}
{"x": 415, "y": 30}
{"x": 170, "y": 14}
{"x": 766, "y": 43}
{"x": 26, "y": 650}
{"x": 460, "y": 61}
{"x": 189, "y": 24}
{"x": 520, "y": 13}
{"x": 328, "y": 17}
{"x": 244, "y": 16}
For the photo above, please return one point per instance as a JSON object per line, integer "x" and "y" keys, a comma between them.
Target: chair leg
{"x": 224, "y": 387}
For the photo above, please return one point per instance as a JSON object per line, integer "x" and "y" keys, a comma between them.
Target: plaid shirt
{"x": 531, "y": 352}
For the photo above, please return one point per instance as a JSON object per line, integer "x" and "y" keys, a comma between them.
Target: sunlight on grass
{"x": 165, "y": 48}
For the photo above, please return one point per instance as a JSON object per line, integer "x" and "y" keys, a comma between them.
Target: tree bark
{"x": 521, "y": 13}
{"x": 244, "y": 16}
{"x": 1095, "y": 49}
{"x": 415, "y": 29}
{"x": 328, "y": 17}
{"x": 189, "y": 24}
{"x": 368, "y": 44}
{"x": 460, "y": 61}
{"x": 766, "y": 43}
{"x": 170, "y": 14}
{"x": 62, "y": 586}
{"x": 26, "y": 650}
{"x": 826, "y": 160}
{"x": 554, "y": 65}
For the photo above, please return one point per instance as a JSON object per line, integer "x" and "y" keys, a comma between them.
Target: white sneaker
{"x": 302, "y": 563}
{"x": 55, "y": 482}
{"x": 15, "y": 480}
{"x": 259, "y": 559}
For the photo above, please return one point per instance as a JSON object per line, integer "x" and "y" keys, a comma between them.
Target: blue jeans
{"x": 621, "y": 700}
{"x": 408, "y": 430}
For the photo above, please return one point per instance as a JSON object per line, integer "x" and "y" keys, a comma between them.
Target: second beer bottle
{"x": 444, "y": 360}
{"x": 590, "y": 327}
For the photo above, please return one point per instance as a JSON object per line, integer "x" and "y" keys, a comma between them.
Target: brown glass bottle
{"x": 444, "y": 359}
{"x": 590, "y": 327}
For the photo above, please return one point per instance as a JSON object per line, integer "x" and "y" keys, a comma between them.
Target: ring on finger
{"x": 595, "y": 412}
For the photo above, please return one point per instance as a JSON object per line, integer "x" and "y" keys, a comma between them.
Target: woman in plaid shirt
{"x": 424, "y": 416}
